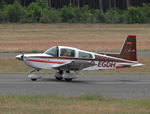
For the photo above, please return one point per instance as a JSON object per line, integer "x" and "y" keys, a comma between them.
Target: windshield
{"x": 52, "y": 51}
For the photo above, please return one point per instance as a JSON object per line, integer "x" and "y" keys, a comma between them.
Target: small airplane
{"x": 66, "y": 59}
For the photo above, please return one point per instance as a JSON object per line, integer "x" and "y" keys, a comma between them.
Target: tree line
{"x": 40, "y": 12}
{"x": 104, "y": 5}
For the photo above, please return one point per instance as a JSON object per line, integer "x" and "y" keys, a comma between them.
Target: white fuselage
{"x": 43, "y": 61}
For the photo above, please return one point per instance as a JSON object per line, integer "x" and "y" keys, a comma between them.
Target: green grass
{"x": 48, "y": 104}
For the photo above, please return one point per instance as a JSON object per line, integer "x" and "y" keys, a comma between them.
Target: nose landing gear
{"x": 34, "y": 77}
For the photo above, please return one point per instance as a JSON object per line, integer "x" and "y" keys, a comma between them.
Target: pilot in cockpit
{"x": 64, "y": 52}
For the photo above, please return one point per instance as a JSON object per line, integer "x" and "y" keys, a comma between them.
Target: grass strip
{"x": 48, "y": 104}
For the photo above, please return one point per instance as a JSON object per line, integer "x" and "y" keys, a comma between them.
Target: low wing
{"x": 75, "y": 65}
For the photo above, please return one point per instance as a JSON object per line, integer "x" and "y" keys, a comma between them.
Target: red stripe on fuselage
{"x": 42, "y": 61}
{"x": 120, "y": 67}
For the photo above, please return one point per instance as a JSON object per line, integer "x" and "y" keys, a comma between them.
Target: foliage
{"x": 51, "y": 16}
{"x": 113, "y": 16}
{"x": 84, "y": 14}
{"x": 42, "y": 3}
{"x": 68, "y": 14}
{"x": 14, "y": 12}
{"x": 146, "y": 11}
{"x": 135, "y": 15}
{"x": 34, "y": 12}
{"x": 99, "y": 16}
{"x": 55, "y": 16}
{"x": 40, "y": 12}
{"x": 2, "y": 4}
{"x": 1, "y": 16}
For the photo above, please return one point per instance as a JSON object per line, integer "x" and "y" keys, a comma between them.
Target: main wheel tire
{"x": 68, "y": 79}
{"x": 59, "y": 78}
{"x": 67, "y": 71}
{"x": 34, "y": 79}
{"x": 60, "y": 71}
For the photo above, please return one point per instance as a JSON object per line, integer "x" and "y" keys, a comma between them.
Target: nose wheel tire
{"x": 68, "y": 79}
{"x": 33, "y": 79}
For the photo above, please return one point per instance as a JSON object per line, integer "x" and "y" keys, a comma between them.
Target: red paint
{"x": 132, "y": 36}
{"x": 42, "y": 61}
{"x": 120, "y": 67}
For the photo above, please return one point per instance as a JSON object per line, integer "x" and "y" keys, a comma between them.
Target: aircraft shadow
{"x": 86, "y": 81}
{"x": 74, "y": 81}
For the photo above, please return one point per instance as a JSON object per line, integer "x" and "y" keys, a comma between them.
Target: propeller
{"x": 22, "y": 57}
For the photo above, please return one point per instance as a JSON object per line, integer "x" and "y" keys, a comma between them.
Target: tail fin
{"x": 128, "y": 50}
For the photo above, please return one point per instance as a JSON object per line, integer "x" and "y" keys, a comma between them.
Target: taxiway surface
{"x": 116, "y": 86}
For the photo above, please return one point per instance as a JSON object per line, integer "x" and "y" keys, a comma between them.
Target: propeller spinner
{"x": 20, "y": 57}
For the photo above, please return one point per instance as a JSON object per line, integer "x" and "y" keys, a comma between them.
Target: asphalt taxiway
{"x": 116, "y": 86}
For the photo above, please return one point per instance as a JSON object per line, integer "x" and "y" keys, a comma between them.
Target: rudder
{"x": 128, "y": 50}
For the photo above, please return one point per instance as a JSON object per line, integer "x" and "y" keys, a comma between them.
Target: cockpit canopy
{"x": 53, "y": 51}
{"x": 63, "y": 51}
{"x": 67, "y": 52}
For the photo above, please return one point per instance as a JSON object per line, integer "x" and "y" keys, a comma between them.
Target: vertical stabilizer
{"x": 128, "y": 50}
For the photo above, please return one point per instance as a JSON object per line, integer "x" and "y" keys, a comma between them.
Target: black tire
{"x": 67, "y": 71}
{"x": 68, "y": 79}
{"x": 59, "y": 78}
{"x": 34, "y": 79}
{"x": 60, "y": 71}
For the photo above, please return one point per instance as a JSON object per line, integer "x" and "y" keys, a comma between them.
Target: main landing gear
{"x": 58, "y": 75}
{"x": 66, "y": 76}
{"x": 34, "y": 77}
